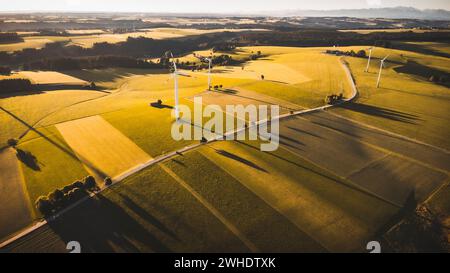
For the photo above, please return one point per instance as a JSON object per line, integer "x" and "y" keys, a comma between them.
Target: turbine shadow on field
{"x": 239, "y": 159}
{"x": 304, "y": 132}
{"x": 307, "y": 168}
{"x": 100, "y": 225}
{"x": 146, "y": 216}
{"x": 381, "y": 112}
{"x": 61, "y": 147}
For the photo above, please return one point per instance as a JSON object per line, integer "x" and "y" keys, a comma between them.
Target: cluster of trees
{"x": 61, "y": 198}
{"x": 9, "y": 37}
{"x": 15, "y": 85}
{"x": 352, "y": 53}
{"x": 4, "y": 70}
{"x": 329, "y": 37}
{"x": 333, "y": 98}
{"x": 225, "y": 47}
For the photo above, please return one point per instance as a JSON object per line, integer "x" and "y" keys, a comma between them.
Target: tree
{"x": 77, "y": 185}
{"x": 361, "y": 54}
{"x": 58, "y": 195}
{"x": 12, "y": 142}
{"x": 108, "y": 181}
{"x": 89, "y": 183}
{"x": 4, "y": 70}
{"x": 44, "y": 205}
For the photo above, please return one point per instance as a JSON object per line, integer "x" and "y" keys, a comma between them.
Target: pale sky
{"x": 210, "y": 6}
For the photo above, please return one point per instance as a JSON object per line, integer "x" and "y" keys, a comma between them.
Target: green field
{"x": 406, "y": 102}
{"x": 318, "y": 192}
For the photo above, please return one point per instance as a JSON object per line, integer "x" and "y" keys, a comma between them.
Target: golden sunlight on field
{"x": 101, "y": 147}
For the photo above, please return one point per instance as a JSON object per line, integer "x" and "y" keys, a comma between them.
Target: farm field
{"x": 319, "y": 192}
{"x": 16, "y": 211}
{"x": 406, "y": 102}
{"x": 104, "y": 150}
{"x": 49, "y": 77}
{"x": 87, "y": 39}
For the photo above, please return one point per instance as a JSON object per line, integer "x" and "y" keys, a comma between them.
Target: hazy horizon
{"x": 207, "y": 6}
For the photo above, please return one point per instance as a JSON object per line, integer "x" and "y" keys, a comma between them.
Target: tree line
{"x": 10, "y": 37}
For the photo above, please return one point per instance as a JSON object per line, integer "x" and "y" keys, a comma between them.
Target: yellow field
{"x": 240, "y": 96}
{"x": 49, "y": 77}
{"x": 31, "y": 42}
{"x": 406, "y": 102}
{"x": 103, "y": 149}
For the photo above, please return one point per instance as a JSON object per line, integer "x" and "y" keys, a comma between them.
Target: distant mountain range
{"x": 390, "y": 13}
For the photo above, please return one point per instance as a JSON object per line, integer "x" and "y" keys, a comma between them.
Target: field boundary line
{"x": 350, "y": 184}
{"x": 211, "y": 209}
{"x": 369, "y": 164}
{"x": 270, "y": 205}
{"x": 391, "y": 133}
{"x": 381, "y": 149}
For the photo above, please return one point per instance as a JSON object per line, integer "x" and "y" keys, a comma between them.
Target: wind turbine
{"x": 368, "y": 61}
{"x": 381, "y": 68}
{"x": 175, "y": 78}
{"x": 209, "y": 60}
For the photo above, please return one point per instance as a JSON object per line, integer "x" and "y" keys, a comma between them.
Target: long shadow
{"x": 160, "y": 106}
{"x": 28, "y": 159}
{"x": 425, "y": 72}
{"x": 57, "y": 145}
{"x": 240, "y": 159}
{"x": 98, "y": 75}
{"x": 419, "y": 49}
{"x": 53, "y": 87}
{"x": 304, "y": 132}
{"x": 318, "y": 173}
{"x": 291, "y": 140}
{"x": 381, "y": 112}
{"x": 146, "y": 216}
{"x": 100, "y": 225}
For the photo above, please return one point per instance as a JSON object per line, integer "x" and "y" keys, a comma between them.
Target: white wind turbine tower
{"x": 209, "y": 60}
{"x": 368, "y": 61}
{"x": 175, "y": 78}
{"x": 381, "y": 68}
